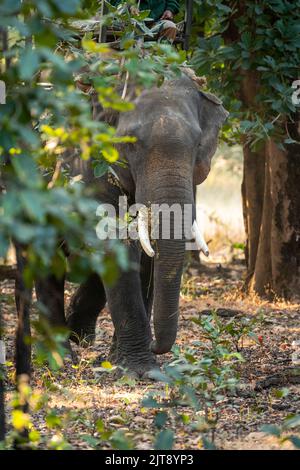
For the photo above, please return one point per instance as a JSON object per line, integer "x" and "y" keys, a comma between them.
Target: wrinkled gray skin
{"x": 177, "y": 129}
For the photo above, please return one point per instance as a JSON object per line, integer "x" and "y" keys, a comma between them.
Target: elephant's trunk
{"x": 166, "y": 178}
{"x": 170, "y": 199}
{"x": 168, "y": 267}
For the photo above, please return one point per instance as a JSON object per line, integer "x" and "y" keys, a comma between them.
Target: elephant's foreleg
{"x": 146, "y": 275}
{"x": 132, "y": 326}
{"x": 85, "y": 306}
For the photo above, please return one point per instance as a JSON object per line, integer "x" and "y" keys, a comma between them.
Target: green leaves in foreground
{"x": 164, "y": 440}
{"x": 197, "y": 378}
{"x": 282, "y": 432}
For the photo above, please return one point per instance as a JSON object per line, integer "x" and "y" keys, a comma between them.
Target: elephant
{"x": 176, "y": 127}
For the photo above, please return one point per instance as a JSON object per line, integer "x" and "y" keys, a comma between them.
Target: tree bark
{"x": 285, "y": 229}
{"x": 277, "y": 264}
{"x": 271, "y": 196}
{"x": 261, "y": 277}
{"x": 23, "y": 297}
{"x": 252, "y": 195}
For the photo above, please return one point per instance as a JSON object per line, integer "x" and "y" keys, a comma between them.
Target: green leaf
{"x": 164, "y": 440}
{"x": 156, "y": 374}
{"x": 271, "y": 429}
{"x": 34, "y": 205}
{"x": 90, "y": 440}
{"x": 120, "y": 441}
{"x": 29, "y": 63}
{"x": 26, "y": 170}
{"x": 20, "y": 420}
{"x": 67, "y": 6}
{"x": 292, "y": 421}
{"x": 9, "y": 6}
{"x": 100, "y": 426}
{"x": 160, "y": 419}
{"x": 106, "y": 365}
{"x": 110, "y": 154}
{"x": 34, "y": 436}
{"x": 100, "y": 168}
{"x": 4, "y": 244}
{"x": 207, "y": 444}
{"x": 150, "y": 402}
{"x": 295, "y": 440}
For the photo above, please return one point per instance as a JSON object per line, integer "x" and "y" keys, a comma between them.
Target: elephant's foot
{"x": 83, "y": 331}
{"x": 136, "y": 367}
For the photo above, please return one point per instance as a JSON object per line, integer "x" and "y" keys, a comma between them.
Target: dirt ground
{"x": 82, "y": 395}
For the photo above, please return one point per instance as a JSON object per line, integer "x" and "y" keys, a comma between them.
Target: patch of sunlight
{"x": 219, "y": 203}
{"x": 104, "y": 398}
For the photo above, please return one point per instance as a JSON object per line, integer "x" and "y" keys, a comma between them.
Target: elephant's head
{"x": 177, "y": 128}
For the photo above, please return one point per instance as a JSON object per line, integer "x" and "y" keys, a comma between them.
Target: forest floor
{"x": 80, "y": 396}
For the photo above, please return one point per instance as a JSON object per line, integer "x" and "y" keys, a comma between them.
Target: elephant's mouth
{"x": 144, "y": 228}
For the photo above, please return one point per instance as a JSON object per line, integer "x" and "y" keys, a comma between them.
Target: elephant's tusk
{"x": 199, "y": 239}
{"x": 144, "y": 233}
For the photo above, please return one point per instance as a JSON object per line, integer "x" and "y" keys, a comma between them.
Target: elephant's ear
{"x": 211, "y": 118}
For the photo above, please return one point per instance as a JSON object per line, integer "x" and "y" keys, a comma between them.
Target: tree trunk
{"x": 274, "y": 270}
{"x": 23, "y": 295}
{"x": 261, "y": 277}
{"x": 271, "y": 195}
{"x": 285, "y": 229}
{"x": 253, "y": 195}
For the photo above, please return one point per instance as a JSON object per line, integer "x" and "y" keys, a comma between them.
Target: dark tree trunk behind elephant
{"x": 270, "y": 192}
{"x": 252, "y": 195}
{"x": 23, "y": 298}
{"x": 276, "y": 270}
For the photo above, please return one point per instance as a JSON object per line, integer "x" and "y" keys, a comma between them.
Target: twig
{"x": 125, "y": 86}
{"x": 55, "y": 174}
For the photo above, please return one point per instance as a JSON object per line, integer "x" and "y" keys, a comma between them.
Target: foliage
{"x": 43, "y": 126}
{"x": 46, "y": 124}
{"x": 282, "y": 433}
{"x": 250, "y": 39}
{"x": 198, "y": 381}
{"x": 56, "y": 421}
